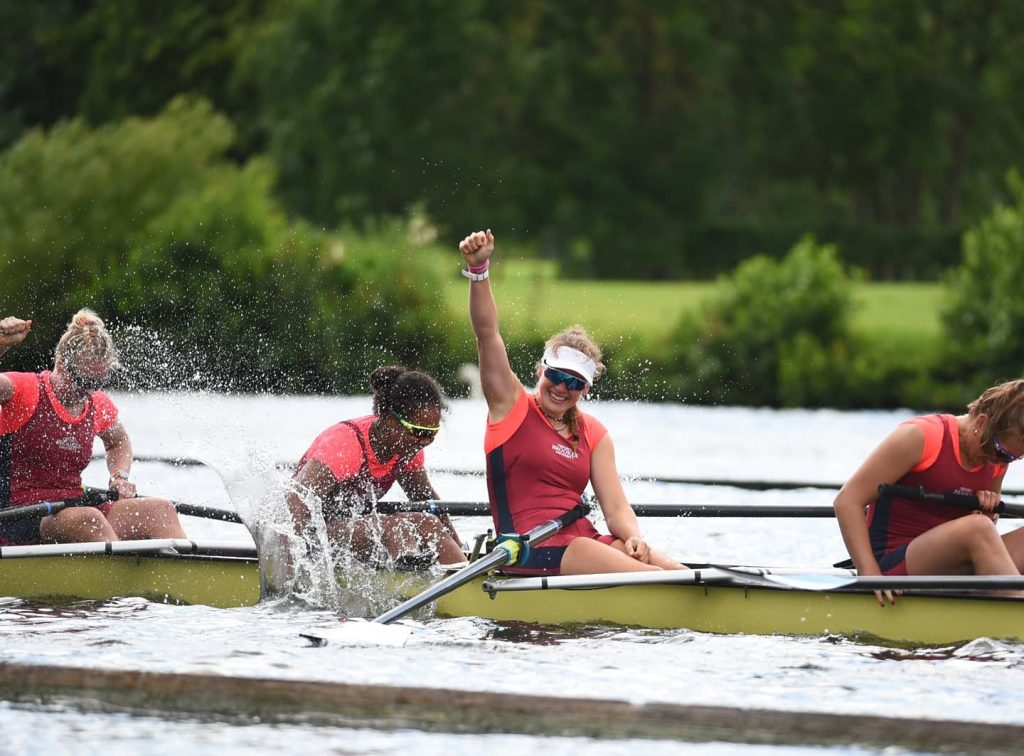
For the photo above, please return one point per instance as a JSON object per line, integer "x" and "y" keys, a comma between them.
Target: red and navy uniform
{"x": 44, "y": 449}
{"x": 535, "y": 475}
{"x": 362, "y": 478}
{"x": 894, "y": 522}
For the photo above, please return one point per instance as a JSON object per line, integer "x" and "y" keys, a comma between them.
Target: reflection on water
{"x": 245, "y": 436}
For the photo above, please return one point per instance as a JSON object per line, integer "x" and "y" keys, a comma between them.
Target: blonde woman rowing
{"x": 542, "y": 451}
{"x": 48, "y": 422}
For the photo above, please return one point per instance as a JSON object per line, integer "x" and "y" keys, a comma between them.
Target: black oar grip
{"x": 578, "y": 512}
{"x": 93, "y": 497}
{"x": 918, "y": 493}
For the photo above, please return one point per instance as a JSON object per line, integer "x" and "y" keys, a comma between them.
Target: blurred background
{"x": 786, "y": 203}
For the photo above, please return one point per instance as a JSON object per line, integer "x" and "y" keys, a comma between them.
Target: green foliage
{"x": 776, "y": 334}
{"x": 984, "y": 319}
{"x": 111, "y": 59}
{"x": 74, "y": 201}
{"x": 649, "y": 140}
{"x": 147, "y": 223}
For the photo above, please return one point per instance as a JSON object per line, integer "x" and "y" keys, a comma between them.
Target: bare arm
{"x": 619, "y": 515}
{"x": 12, "y": 331}
{"x": 893, "y": 458}
{"x": 118, "y": 448}
{"x": 316, "y": 478}
{"x": 6, "y": 389}
{"x": 500, "y": 386}
{"x": 417, "y": 487}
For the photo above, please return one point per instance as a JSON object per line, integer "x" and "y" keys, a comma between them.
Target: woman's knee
{"x": 78, "y": 523}
{"x": 978, "y": 527}
{"x": 425, "y": 524}
{"x": 162, "y": 508}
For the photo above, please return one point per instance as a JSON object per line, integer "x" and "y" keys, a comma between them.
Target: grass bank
{"x": 901, "y": 319}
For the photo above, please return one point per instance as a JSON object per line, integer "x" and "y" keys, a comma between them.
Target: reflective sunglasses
{"x": 417, "y": 431}
{"x": 1003, "y": 453}
{"x": 572, "y": 382}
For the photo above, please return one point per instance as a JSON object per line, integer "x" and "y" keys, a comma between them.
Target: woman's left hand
{"x": 637, "y": 548}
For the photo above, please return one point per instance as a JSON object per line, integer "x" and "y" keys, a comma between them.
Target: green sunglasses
{"x": 417, "y": 431}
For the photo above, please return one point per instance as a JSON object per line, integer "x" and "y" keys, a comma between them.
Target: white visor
{"x": 573, "y": 360}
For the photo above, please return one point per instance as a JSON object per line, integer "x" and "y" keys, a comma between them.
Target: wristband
{"x": 477, "y": 276}
{"x": 482, "y": 268}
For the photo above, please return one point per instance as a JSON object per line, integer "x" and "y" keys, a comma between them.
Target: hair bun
{"x": 86, "y": 318}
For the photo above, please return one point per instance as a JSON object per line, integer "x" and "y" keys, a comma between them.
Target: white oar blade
{"x": 812, "y": 581}
{"x": 359, "y": 632}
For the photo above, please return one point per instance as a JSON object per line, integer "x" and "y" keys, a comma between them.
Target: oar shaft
{"x": 92, "y": 497}
{"x": 504, "y": 553}
{"x": 197, "y": 510}
{"x": 964, "y": 501}
{"x": 475, "y": 508}
{"x": 209, "y": 513}
{"x": 497, "y": 558}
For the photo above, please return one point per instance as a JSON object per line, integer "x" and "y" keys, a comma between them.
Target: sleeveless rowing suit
{"x": 44, "y": 449}
{"x": 345, "y": 450}
{"x": 534, "y": 475}
{"x": 894, "y": 522}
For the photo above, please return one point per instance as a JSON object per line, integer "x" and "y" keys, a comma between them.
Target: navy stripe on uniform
{"x": 496, "y": 473}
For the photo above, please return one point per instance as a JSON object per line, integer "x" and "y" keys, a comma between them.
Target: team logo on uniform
{"x": 564, "y": 451}
{"x": 69, "y": 443}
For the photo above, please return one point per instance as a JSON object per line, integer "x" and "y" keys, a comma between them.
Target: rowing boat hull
{"x": 175, "y": 579}
{"x": 914, "y": 619}
{"x": 704, "y": 607}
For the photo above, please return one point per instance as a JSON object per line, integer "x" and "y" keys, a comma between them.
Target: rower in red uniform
{"x": 48, "y": 422}
{"x": 355, "y": 462}
{"x": 965, "y": 454}
{"x": 542, "y": 451}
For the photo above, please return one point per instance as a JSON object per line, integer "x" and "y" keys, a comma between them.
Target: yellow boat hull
{"x": 714, "y": 608}
{"x": 915, "y": 619}
{"x": 214, "y": 581}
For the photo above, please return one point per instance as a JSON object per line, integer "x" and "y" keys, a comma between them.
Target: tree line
{"x": 626, "y": 139}
{"x": 232, "y": 182}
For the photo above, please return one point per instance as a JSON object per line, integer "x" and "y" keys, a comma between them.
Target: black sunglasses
{"x": 85, "y": 383}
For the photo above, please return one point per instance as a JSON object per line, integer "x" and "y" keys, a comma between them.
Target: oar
{"x": 193, "y": 510}
{"x": 749, "y": 485}
{"x": 508, "y": 551}
{"x": 825, "y": 582}
{"x": 92, "y": 497}
{"x": 473, "y": 508}
{"x": 155, "y": 546}
{"x": 964, "y": 501}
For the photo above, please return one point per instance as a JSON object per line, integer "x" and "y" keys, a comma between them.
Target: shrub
{"x": 777, "y": 334}
{"x": 150, "y": 224}
{"x": 984, "y": 320}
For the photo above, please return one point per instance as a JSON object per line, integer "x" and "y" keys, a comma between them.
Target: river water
{"x": 243, "y": 438}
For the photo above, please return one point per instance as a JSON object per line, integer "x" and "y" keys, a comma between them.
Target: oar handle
{"x": 91, "y": 497}
{"x": 964, "y": 501}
